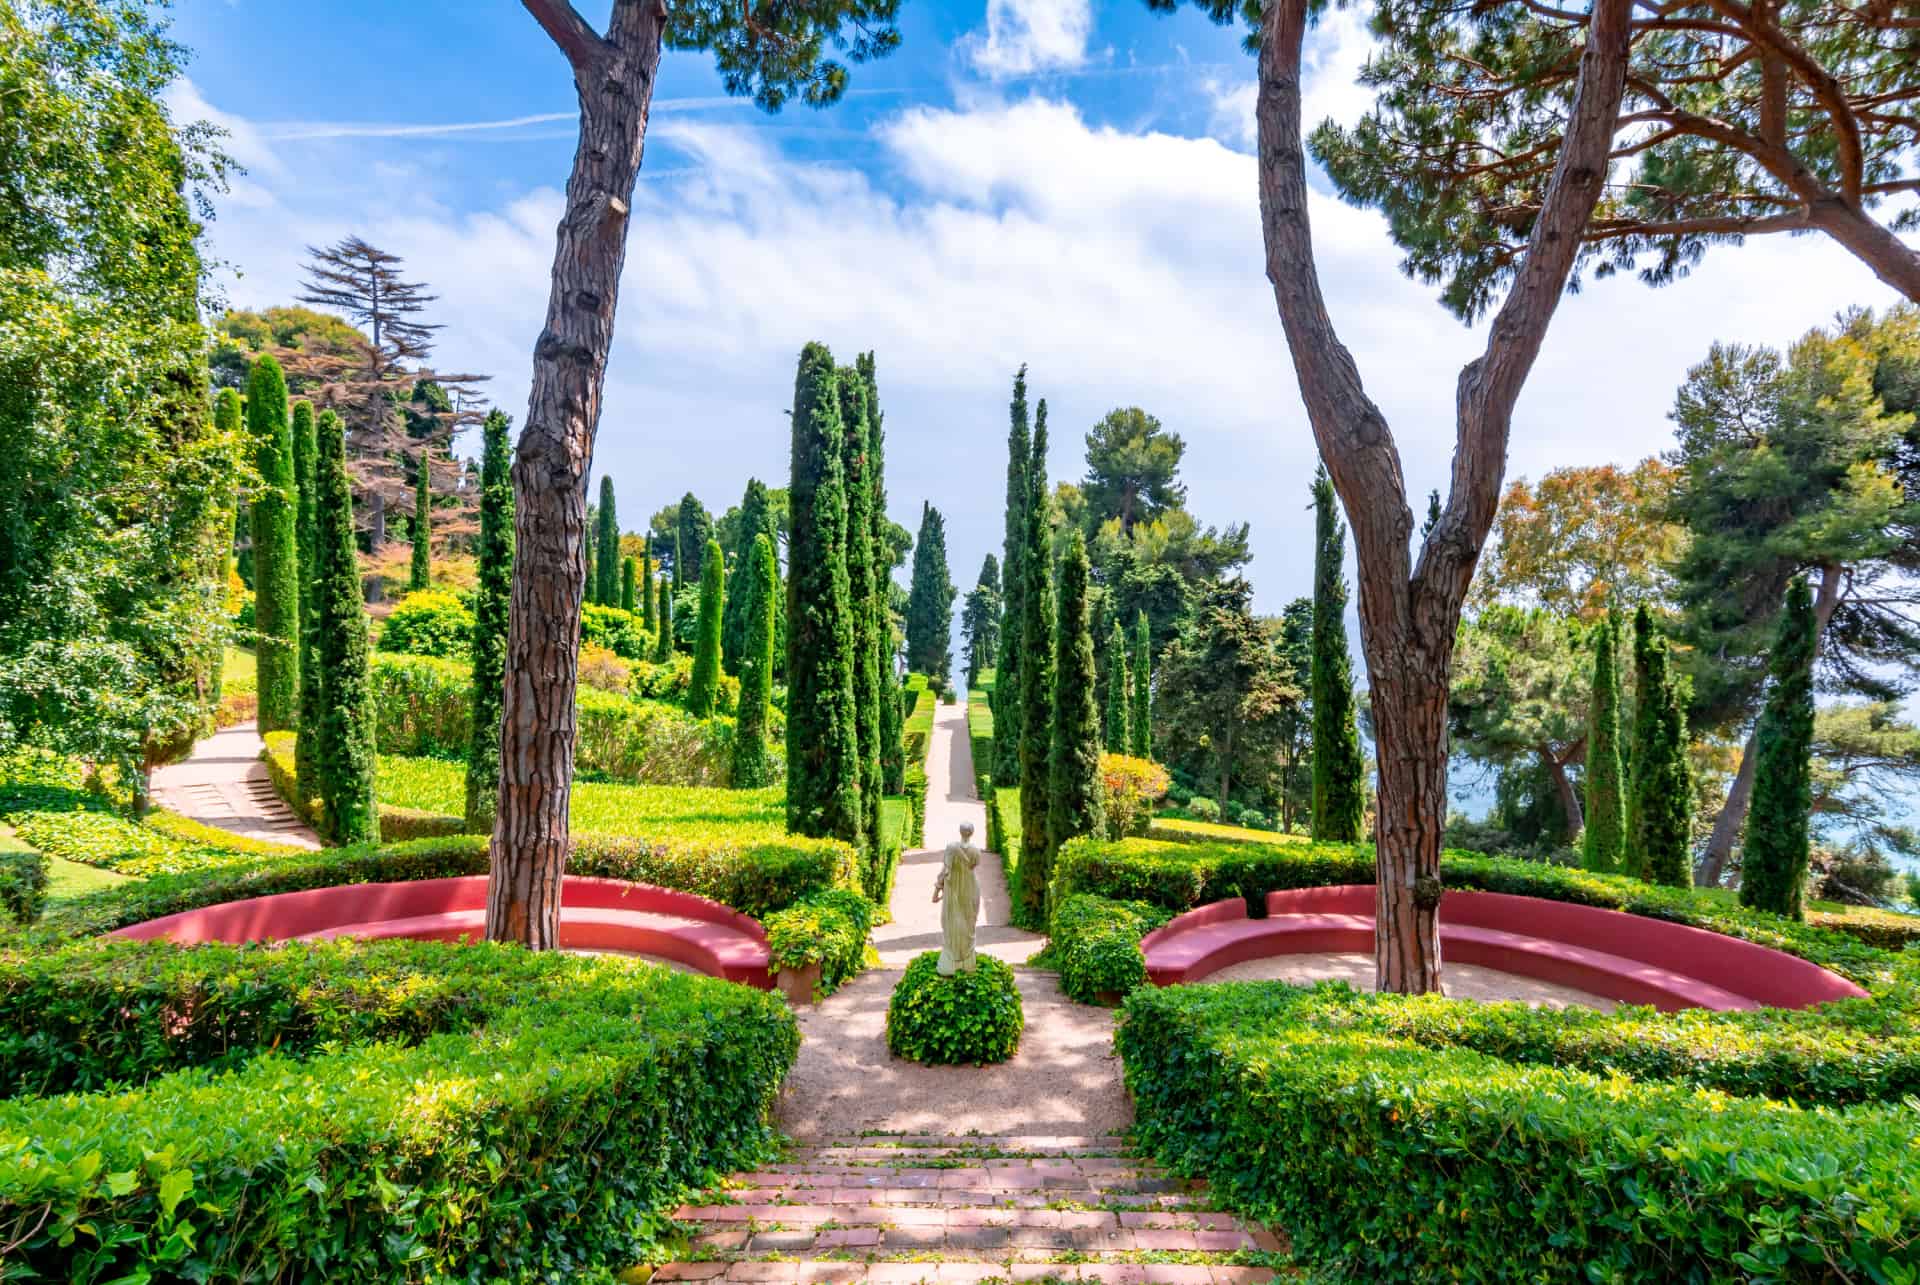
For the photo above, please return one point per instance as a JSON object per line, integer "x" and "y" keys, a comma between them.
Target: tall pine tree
{"x": 1660, "y": 798}
{"x": 1339, "y": 771}
{"x": 760, "y": 583}
{"x": 607, "y": 543}
{"x": 1118, "y": 727}
{"x": 1140, "y": 738}
{"x": 893, "y": 760}
{"x": 705, "y": 684}
{"x": 1603, "y": 842}
{"x": 306, "y": 458}
{"x": 1036, "y": 688}
{"x": 1076, "y": 803}
{"x": 346, "y": 758}
{"x": 1774, "y": 857}
{"x": 855, "y": 442}
{"x": 756, "y": 518}
{"x": 1006, "y": 702}
{"x": 420, "y": 571}
{"x": 491, "y": 598}
{"x": 823, "y": 769}
{"x": 276, "y": 549}
{"x": 930, "y": 599}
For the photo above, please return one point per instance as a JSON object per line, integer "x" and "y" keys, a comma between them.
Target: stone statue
{"x": 962, "y": 891}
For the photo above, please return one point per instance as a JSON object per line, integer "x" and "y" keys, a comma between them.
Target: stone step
{"x": 732, "y": 1217}
{"x": 830, "y": 1272}
{"x": 957, "y": 1197}
{"x": 941, "y": 1142}
{"x": 1077, "y": 1176}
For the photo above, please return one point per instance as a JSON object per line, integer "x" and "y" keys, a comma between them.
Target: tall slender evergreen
{"x": 590, "y": 591}
{"x": 1140, "y": 738}
{"x": 346, "y": 758}
{"x": 645, "y": 586}
{"x": 706, "y": 646}
{"x": 629, "y": 584}
{"x": 756, "y": 519}
{"x": 679, "y": 562}
{"x": 276, "y": 550}
{"x": 692, "y": 529}
{"x": 306, "y": 539}
{"x": 1036, "y": 688}
{"x": 893, "y": 760}
{"x": 1339, "y": 771}
{"x": 663, "y": 616}
{"x": 1660, "y": 798}
{"x": 1118, "y": 728}
{"x": 1006, "y": 702}
{"x": 1076, "y": 802}
{"x": 930, "y": 598}
{"x": 823, "y": 769}
{"x": 856, "y": 440}
{"x": 491, "y": 598}
{"x": 1603, "y": 842}
{"x": 1774, "y": 855}
{"x": 420, "y": 571}
{"x": 760, "y": 583}
{"x": 607, "y": 546}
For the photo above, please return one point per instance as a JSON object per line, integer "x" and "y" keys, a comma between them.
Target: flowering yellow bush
{"x": 1134, "y": 786}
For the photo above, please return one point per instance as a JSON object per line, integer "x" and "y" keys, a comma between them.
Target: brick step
{"x": 730, "y": 1217}
{"x": 962, "y": 1142}
{"x": 1088, "y": 1175}
{"x": 955, "y": 1272}
{"x": 955, "y": 1197}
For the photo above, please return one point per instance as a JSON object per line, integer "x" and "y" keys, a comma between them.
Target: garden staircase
{"x": 903, "y": 1209}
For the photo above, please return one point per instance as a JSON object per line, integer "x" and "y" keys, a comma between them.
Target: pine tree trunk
{"x": 1892, "y": 259}
{"x": 1569, "y": 797}
{"x": 614, "y": 78}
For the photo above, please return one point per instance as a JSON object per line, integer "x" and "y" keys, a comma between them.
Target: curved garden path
{"x": 224, "y": 783}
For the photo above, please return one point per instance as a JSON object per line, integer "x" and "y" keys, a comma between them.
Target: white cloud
{"x": 1331, "y": 63}
{"x": 1026, "y": 36}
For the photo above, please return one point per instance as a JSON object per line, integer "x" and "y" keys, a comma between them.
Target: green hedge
{"x": 825, "y": 928}
{"x": 1095, "y": 943}
{"x": 23, "y": 884}
{"x": 395, "y": 1111}
{"x": 1390, "y": 1152}
{"x": 973, "y": 1017}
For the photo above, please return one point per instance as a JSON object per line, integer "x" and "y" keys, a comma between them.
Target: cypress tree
{"x": 607, "y": 546}
{"x": 276, "y": 550}
{"x": 629, "y": 577}
{"x": 421, "y": 572}
{"x": 855, "y": 441}
{"x": 491, "y": 599}
{"x": 1339, "y": 772}
{"x": 693, "y": 528}
{"x": 1076, "y": 802}
{"x": 930, "y": 598}
{"x": 1118, "y": 727}
{"x": 663, "y": 641}
{"x": 756, "y": 518}
{"x": 1774, "y": 856}
{"x": 823, "y": 771}
{"x": 645, "y": 586}
{"x": 679, "y": 562}
{"x": 346, "y": 757}
{"x": 893, "y": 759}
{"x": 1036, "y": 688}
{"x": 762, "y": 582}
{"x": 1006, "y": 681}
{"x": 1141, "y": 739}
{"x": 1660, "y": 802}
{"x": 306, "y": 539}
{"x": 591, "y": 589}
{"x": 706, "y": 649}
{"x": 1603, "y": 842}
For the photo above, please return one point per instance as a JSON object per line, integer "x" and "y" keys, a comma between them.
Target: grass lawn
{"x": 437, "y": 785}
{"x": 895, "y": 815}
{"x": 1162, "y": 826}
{"x": 64, "y": 878}
{"x": 237, "y": 666}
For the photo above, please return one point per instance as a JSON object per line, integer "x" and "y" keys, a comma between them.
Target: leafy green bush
{"x": 1095, "y": 943}
{"x": 968, "y": 1017}
{"x": 394, "y": 1111}
{"x": 429, "y": 622}
{"x": 1883, "y": 928}
{"x": 1390, "y": 1153}
{"x": 825, "y": 928}
{"x": 23, "y": 884}
{"x": 618, "y": 630}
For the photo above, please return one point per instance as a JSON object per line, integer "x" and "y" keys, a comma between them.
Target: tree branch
{"x": 560, "y": 20}
{"x": 1817, "y": 78}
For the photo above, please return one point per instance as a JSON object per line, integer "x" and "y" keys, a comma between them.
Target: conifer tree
{"x": 1036, "y": 688}
{"x": 1660, "y": 798}
{"x": 855, "y": 441}
{"x": 679, "y": 562}
{"x": 761, "y": 583}
{"x": 756, "y": 518}
{"x": 893, "y": 760}
{"x": 692, "y": 529}
{"x": 706, "y": 649}
{"x": 306, "y": 538}
{"x": 491, "y": 600}
{"x": 1774, "y": 856}
{"x": 1007, "y": 705}
{"x": 930, "y": 599}
{"x": 1603, "y": 842}
{"x": 1118, "y": 728}
{"x": 629, "y": 579}
{"x": 1339, "y": 771}
{"x": 276, "y": 551}
{"x": 1141, "y": 739}
{"x": 607, "y": 545}
{"x": 587, "y": 551}
{"x": 663, "y": 616}
{"x": 346, "y": 758}
{"x": 1076, "y": 803}
{"x": 420, "y": 572}
{"x": 646, "y": 585}
{"x": 823, "y": 770}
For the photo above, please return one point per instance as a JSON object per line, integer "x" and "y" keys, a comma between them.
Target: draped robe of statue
{"x": 960, "y": 911}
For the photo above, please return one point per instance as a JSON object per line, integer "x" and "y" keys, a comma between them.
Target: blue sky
{"x": 1032, "y": 180}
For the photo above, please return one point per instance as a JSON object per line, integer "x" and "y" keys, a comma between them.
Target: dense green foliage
{"x": 1075, "y": 793}
{"x": 1225, "y": 687}
{"x": 1519, "y": 703}
{"x": 706, "y": 649}
{"x": 1773, "y": 871}
{"x": 645, "y": 587}
{"x": 930, "y": 597}
{"x": 1095, "y": 943}
{"x": 492, "y": 599}
{"x": 1008, "y": 707}
{"x": 1660, "y": 790}
{"x": 429, "y": 622}
{"x": 980, "y": 620}
{"x": 1140, "y": 735}
{"x": 1118, "y": 726}
{"x": 23, "y": 884}
{"x": 756, "y": 666}
{"x": 276, "y": 551}
{"x": 606, "y": 570}
{"x": 693, "y": 527}
{"x": 823, "y": 770}
{"x": 663, "y": 617}
{"x": 1036, "y": 659}
{"x": 306, "y": 477}
{"x": 629, "y": 585}
{"x": 825, "y": 928}
{"x": 1603, "y": 843}
{"x": 420, "y": 566}
{"x": 972, "y": 1017}
{"x": 863, "y": 558}
{"x": 756, "y": 518}
{"x": 387, "y": 1111}
{"x": 346, "y": 732}
{"x": 1339, "y": 771}
{"x": 886, "y": 553}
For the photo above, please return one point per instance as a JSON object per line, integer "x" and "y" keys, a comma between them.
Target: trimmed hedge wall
{"x": 391, "y": 1111}
{"x": 1095, "y": 943}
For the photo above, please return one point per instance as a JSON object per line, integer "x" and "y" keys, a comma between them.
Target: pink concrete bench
{"x": 595, "y": 914}
{"x": 1630, "y": 958}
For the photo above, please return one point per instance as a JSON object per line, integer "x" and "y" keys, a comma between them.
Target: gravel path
{"x": 224, "y": 783}
{"x": 1462, "y": 981}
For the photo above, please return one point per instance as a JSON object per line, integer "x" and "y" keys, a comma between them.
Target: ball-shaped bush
{"x": 968, "y": 1017}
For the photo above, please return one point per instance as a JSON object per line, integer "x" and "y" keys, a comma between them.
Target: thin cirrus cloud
{"x": 312, "y": 131}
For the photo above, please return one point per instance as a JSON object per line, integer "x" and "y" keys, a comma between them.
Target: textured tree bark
{"x": 614, "y": 78}
{"x": 1563, "y": 786}
{"x": 1892, "y": 259}
{"x": 1409, "y": 617}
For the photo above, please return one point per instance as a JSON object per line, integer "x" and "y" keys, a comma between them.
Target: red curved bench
{"x": 1631, "y": 958}
{"x": 595, "y": 914}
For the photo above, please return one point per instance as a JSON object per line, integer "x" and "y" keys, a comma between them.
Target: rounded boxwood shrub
{"x": 429, "y": 622}
{"x": 969, "y": 1017}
